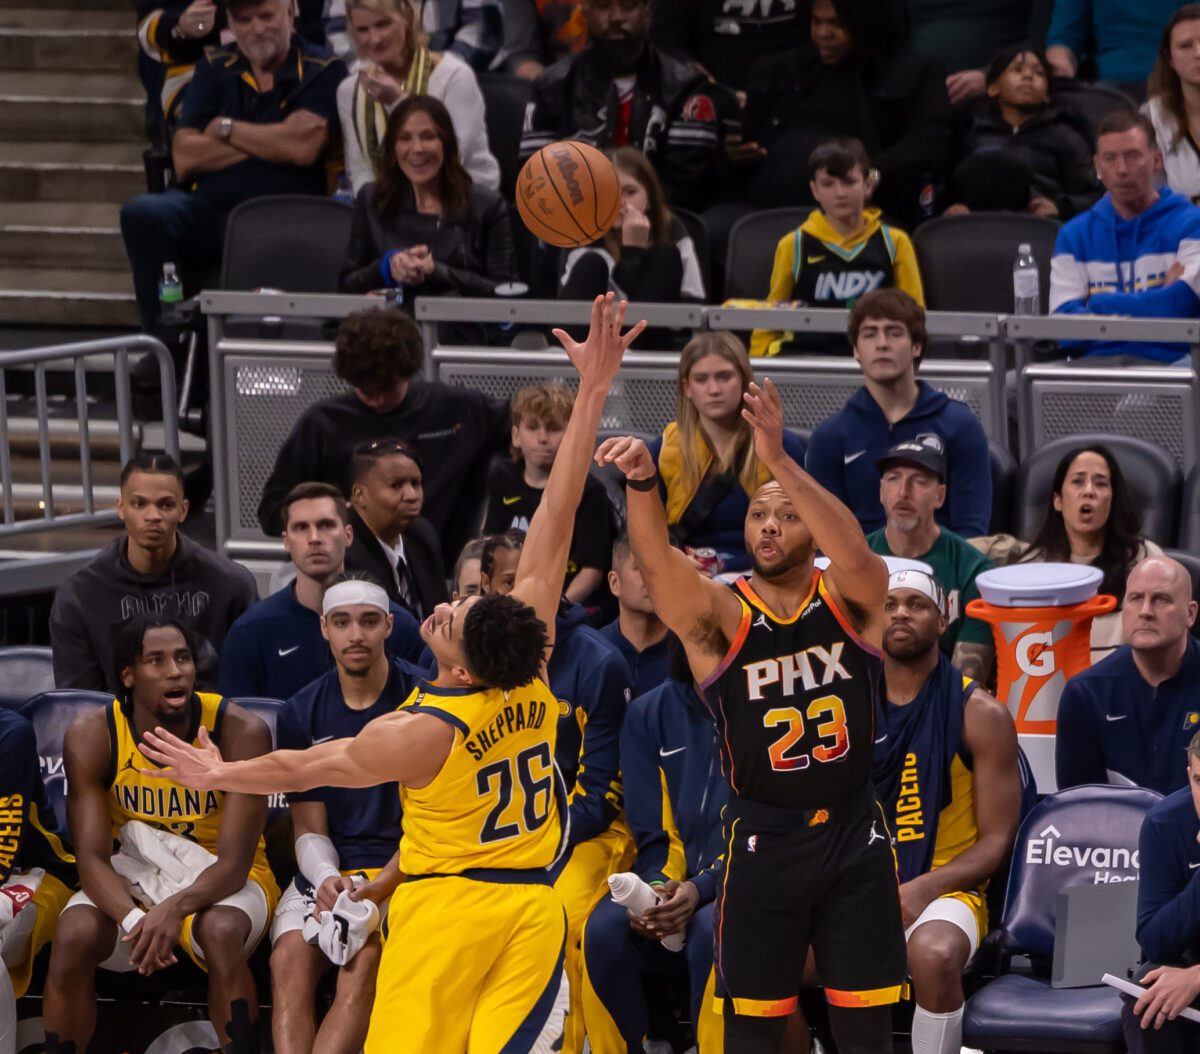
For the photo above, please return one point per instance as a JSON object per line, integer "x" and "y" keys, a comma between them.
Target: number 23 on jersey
{"x": 830, "y": 717}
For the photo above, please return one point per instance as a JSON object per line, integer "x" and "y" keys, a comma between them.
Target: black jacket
{"x": 471, "y": 255}
{"x": 422, "y": 553}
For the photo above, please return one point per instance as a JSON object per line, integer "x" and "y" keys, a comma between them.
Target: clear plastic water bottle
{"x": 1027, "y": 298}
{"x": 170, "y": 288}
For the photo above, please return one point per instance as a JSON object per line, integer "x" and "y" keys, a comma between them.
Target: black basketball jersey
{"x": 794, "y": 701}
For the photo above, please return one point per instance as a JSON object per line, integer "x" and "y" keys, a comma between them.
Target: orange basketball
{"x": 568, "y": 194}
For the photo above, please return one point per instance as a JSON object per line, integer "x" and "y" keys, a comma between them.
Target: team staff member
{"x": 637, "y": 632}
{"x": 946, "y": 773}
{"x": 219, "y": 918}
{"x": 789, "y": 662}
{"x": 276, "y": 647}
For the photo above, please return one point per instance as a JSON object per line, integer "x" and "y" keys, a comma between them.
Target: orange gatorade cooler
{"x": 1041, "y": 617}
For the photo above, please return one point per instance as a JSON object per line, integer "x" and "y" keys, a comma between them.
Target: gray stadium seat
{"x": 694, "y": 223}
{"x": 1004, "y": 479}
{"x": 24, "y": 672}
{"x": 1189, "y": 516}
{"x": 1091, "y": 100}
{"x": 1192, "y": 563}
{"x": 752, "y": 250}
{"x": 504, "y": 101}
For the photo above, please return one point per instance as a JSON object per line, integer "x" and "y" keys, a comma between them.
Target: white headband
{"x": 919, "y": 582}
{"x": 354, "y": 591}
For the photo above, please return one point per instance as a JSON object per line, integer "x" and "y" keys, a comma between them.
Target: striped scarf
{"x": 371, "y": 116}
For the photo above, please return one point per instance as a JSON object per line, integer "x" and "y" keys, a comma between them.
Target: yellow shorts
{"x": 48, "y": 902}
{"x": 470, "y": 966}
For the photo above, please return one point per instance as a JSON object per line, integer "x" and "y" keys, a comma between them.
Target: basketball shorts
{"x": 795, "y": 879}
{"x": 32, "y": 928}
{"x": 299, "y": 900}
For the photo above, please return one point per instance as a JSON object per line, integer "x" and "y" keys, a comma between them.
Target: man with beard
{"x": 946, "y": 772}
{"x": 789, "y": 664}
{"x": 621, "y": 90}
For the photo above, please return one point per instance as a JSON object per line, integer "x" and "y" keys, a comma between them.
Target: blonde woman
{"x": 706, "y": 456}
{"x": 393, "y": 64}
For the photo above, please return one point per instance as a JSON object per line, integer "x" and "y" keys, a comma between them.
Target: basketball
{"x": 568, "y": 194}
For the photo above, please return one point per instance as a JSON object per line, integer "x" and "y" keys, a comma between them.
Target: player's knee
{"x": 292, "y": 976}
{"x": 83, "y": 939}
{"x": 222, "y": 934}
{"x": 605, "y": 935}
{"x": 356, "y": 980}
{"x": 936, "y": 959}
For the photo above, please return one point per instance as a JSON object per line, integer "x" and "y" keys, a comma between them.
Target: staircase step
{"x": 58, "y": 40}
{"x": 62, "y": 234}
{"x": 64, "y": 106}
{"x": 110, "y": 172}
{"x": 67, "y": 297}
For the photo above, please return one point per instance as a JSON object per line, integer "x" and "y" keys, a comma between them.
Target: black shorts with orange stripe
{"x": 823, "y": 877}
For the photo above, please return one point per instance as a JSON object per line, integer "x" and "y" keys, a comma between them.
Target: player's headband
{"x": 920, "y": 582}
{"x": 354, "y": 592}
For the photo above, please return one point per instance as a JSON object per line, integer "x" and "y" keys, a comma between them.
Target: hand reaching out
{"x": 195, "y": 767}
{"x": 599, "y": 357}
{"x": 764, "y": 412}
{"x": 630, "y": 455}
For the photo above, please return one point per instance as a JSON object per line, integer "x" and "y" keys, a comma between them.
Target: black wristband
{"x": 643, "y": 484}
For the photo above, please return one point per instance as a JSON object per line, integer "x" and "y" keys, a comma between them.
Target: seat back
{"x": 751, "y": 251}
{"x": 1151, "y": 474}
{"x": 277, "y": 832}
{"x": 1191, "y": 562}
{"x": 1189, "y": 515}
{"x": 966, "y": 261}
{"x": 1079, "y": 836}
{"x": 504, "y": 99}
{"x": 24, "y": 672}
{"x": 293, "y": 242}
{"x": 1004, "y": 480}
{"x": 1092, "y": 100}
{"x": 51, "y": 714}
{"x": 694, "y": 224}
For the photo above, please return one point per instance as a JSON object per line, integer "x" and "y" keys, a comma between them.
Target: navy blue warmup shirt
{"x": 648, "y": 669}
{"x": 1168, "y": 922}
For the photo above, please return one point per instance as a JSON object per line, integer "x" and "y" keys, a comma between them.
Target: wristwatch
{"x": 225, "y": 128}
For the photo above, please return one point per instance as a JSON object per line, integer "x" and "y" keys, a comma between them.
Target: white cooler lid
{"x": 1039, "y": 585}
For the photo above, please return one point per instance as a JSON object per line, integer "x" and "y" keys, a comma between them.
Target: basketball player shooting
{"x": 473, "y": 958}
{"x": 789, "y": 663}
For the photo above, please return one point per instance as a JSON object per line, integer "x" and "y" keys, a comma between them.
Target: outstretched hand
{"x": 599, "y": 356}
{"x": 764, "y": 412}
{"x": 630, "y": 455}
{"x": 195, "y": 767}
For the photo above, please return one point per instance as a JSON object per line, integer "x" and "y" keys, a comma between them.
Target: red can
{"x": 710, "y": 562}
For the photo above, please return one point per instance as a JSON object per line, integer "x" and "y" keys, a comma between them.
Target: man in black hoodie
{"x": 153, "y": 569}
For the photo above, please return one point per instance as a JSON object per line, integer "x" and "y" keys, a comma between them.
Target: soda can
{"x": 708, "y": 559}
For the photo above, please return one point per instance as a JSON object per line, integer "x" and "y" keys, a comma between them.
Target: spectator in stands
{"x": 674, "y": 795}
{"x": 131, "y": 915}
{"x": 887, "y": 331}
{"x": 538, "y": 33}
{"x": 1092, "y": 519}
{"x": 472, "y": 29}
{"x": 1168, "y": 927}
{"x": 172, "y": 38}
{"x": 394, "y": 65}
{"x": 946, "y": 773}
{"x": 911, "y": 489}
{"x": 1173, "y": 105}
{"x": 392, "y": 542}
{"x": 623, "y": 90}
{"x": 423, "y": 228}
{"x": 840, "y": 252}
{"x": 706, "y": 458}
{"x": 152, "y": 567}
{"x": 467, "y": 579}
{"x": 453, "y": 430}
{"x": 539, "y": 419}
{"x": 637, "y": 632}
{"x": 1126, "y": 719}
{"x": 1018, "y": 151}
{"x": 232, "y": 145}
{"x": 276, "y": 647}
{"x": 856, "y": 80}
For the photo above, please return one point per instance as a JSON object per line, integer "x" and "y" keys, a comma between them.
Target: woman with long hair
{"x": 394, "y": 64}
{"x": 706, "y": 457}
{"x": 423, "y": 227}
{"x": 1173, "y": 103}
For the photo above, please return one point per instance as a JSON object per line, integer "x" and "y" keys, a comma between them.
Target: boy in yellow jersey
{"x": 945, "y": 771}
{"x": 473, "y": 958}
{"x": 114, "y": 924}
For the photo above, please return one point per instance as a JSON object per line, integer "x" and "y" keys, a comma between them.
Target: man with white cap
{"x": 946, "y": 773}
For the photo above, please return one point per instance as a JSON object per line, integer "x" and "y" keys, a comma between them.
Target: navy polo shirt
{"x": 648, "y": 668}
{"x": 1168, "y": 925}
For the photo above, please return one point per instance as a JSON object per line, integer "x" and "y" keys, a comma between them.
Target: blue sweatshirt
{"x": 669, "y": 746}
{"x": 647, "y": 669}
{"x": 844, "y": 448}
{"x": 1168, "y": 918}
{"x": 1104, "y": 265}
{"x": 1123, "y": 35}
{"x": 1114, "y": 728}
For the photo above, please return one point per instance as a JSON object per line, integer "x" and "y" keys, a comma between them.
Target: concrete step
{"x": 62, "y": 234}
{"x": 67, "y": 297}
{"x": 107, "y": 172}
{"x": 71, "y": 107}
{"x": 62, "y": 39}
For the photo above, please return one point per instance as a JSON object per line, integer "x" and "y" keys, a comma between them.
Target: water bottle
{"x": 344, "y": 191}
{"x": 170, "y": 289}
{"x": 635, "y": 895}
{"x": 1027, "y": 298}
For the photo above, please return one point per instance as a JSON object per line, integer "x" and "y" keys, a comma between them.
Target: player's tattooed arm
{"x": 974, "y": 659}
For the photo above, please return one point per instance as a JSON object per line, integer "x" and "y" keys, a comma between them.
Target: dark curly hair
{"x": 129, "y": 643}
{"x": 510, "y": 541}
{"x": 376, "y": 349}
{"x": 504, "y": 642}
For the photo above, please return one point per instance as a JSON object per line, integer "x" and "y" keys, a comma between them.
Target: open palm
{"x": 193, "y": 766}
{"x": 764, "y": 412}
{"x": 599, "y": 356}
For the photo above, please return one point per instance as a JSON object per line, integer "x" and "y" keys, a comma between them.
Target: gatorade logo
{"x": 567, "y": 167}
{"x": 1034, "y": 654}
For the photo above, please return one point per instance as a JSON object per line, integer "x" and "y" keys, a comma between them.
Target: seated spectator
{"x": 392, "y": 66}
{"x": 674, "y": 795}
{"x": 276, "y": 647}
{"x": 129, "y": 914}
{"x": 152, "y": 567}
{"x": 454, "y": 430}
{"x": 947, "y": 775}
{"x": 887, "y": 331}
{"x": 1173, "y": 105}
{"x": 515, "y": 485}
{"x": 472, "y": 29}
{"x": 666, "y": 108}
{"x": 1019, "y": 152}
{"x": 172, "y": 38}
{"x": 1136, "y": 252}
{"x": 1168, "y": 925}
{"x": 840, "y": 252}
{"x": 391, "y": 542}
{"x": 423, "y": 228}
{"x": 855, "y": 80}
{"x": 911, "y": 489}
{"x": 231, "y": 145}
{"x": 1126, "y": 719}
{"x": 537, "y": 33}
{"x": 706, "y": 457}
{"x": 468, "y": 571}
{"x": 637, "y": 632}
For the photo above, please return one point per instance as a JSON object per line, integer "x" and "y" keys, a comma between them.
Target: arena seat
{"x": 751, "y": 252}
{"x": 281, "y": 851}
{"x": 504, "y": 100}
{"x": 1151, "y": 473}
{"x": 1093, "y": 100}
{"x": 1004, "y": 479}
{"x": 51, "y": 714}
{"x": 1020, "y": 1011}
{"x": 693, "y": 222}
{"x": 24, "y": 672}
{"x": 1189, "y": 515}
{"x": 1191, "y": 561}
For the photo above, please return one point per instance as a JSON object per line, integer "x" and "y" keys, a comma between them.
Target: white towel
{"x": 342, "y": 931}
{"x": 157, "y": 863}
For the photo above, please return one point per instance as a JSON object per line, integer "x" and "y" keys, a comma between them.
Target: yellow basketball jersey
{"x": 192, "y": 814}
{"x": 498, "y": 801}
{"x": 956, "y": 831}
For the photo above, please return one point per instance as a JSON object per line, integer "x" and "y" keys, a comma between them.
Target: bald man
{"x": 1129, "y": 718}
